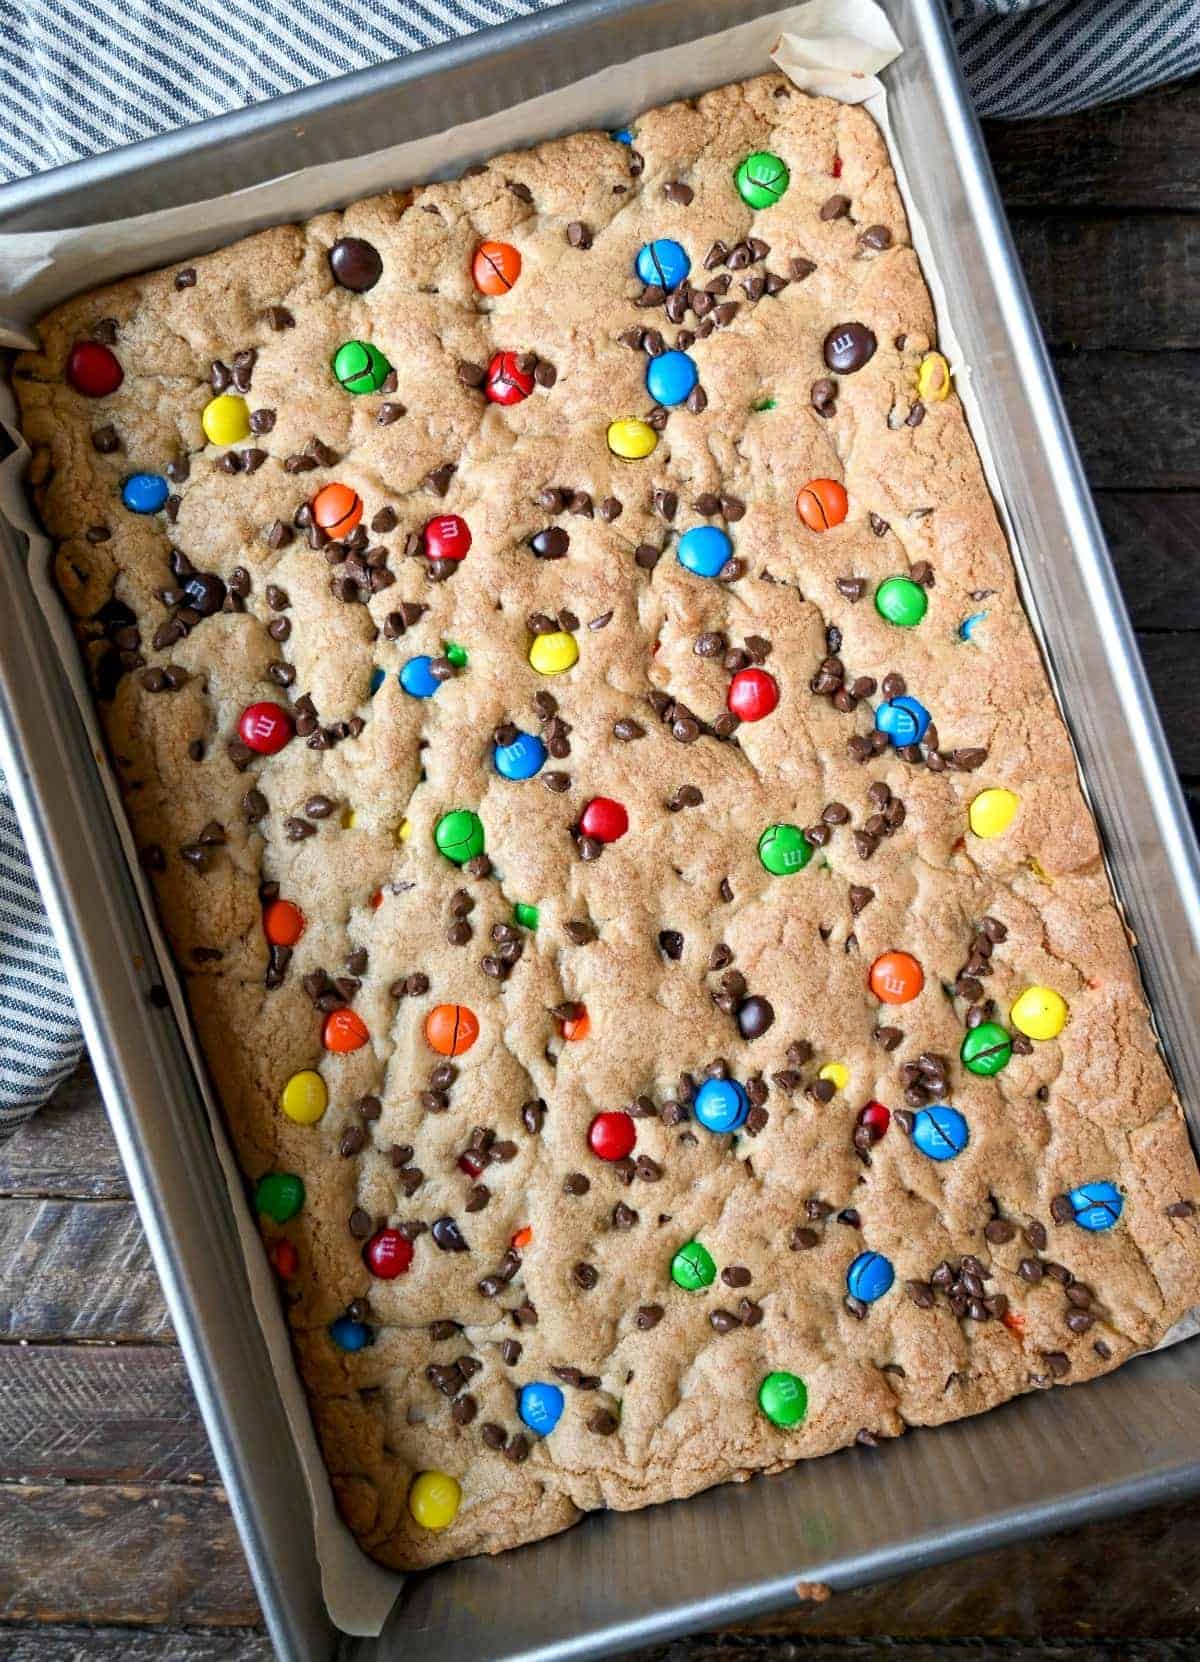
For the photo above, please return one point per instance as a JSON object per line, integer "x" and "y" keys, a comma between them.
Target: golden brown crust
{"x": 1097, "y": 1103}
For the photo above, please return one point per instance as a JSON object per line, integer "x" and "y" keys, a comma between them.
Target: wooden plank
{"x": 67, "y": 1149}
{"x": 78, "y": 1270}
{"x": 137, "y": 1555}
{"x": 91, "y": 1414}
{"x": 1105, "y": 282}
{"x": 123, "y": 1644}
{"x": 1154, "y": 537}
{"x": 1136, "y": 417}
{"x": 1170, "y": 662}
{"x": 1142, "y": 154}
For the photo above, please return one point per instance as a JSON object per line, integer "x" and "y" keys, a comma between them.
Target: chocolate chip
{"x": 835, "y": 207}
{"x": 648, "y": 1316}
{"x": 876, "y": 237}
{"x": 754, "y": 1016}
{"x": 448, "y": 1236}
{"x": 578, "y": 234}
{"x": 676, "y": 191}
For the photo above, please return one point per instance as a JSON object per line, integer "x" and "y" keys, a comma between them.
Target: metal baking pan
{"x": 617, "y": 1581}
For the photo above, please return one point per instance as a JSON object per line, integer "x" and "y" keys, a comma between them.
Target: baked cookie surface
{"x": 626, "y": 864}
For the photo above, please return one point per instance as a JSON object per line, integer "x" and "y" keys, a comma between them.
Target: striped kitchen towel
{"x": 81, "y": 76}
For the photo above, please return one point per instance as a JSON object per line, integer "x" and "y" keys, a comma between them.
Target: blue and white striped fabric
{"x": 81, "y": 76}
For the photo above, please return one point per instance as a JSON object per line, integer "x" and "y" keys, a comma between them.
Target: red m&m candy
{"x": 265, "y": 727}
{"x": 604, "y": 820}
{"x": 93, "y": 370}
{"x": 876, "y": 1118}
{"x": 753, "y": 694}
{"x": 388, "y": 1254}
{"x": 611, "y": 1136}
{"x": 447, "y": 538}
{"x": 506, "y": 382}
{"x": 285, "y": 1260}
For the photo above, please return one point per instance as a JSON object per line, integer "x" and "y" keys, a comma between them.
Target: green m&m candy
{"x": 901, "y": 601}
{"x": 525, "y": 914}
{"x": 693, "y": 1268}
{"x": 783, "y": 1398}
{"x": 459, "y": 835}
{"x": 360, "y": 367}
{"x": 279, "y": 1196}
{"x": 762, "y": 179}
{"x": 986, "y": 1048}
{"x": 455, "y": 654}
{"x": 784, "y": 849}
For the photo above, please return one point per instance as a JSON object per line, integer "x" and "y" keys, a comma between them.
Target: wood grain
{"x": 123, "y": 1644}
{"x": 1136, "y": 417}
{"x": 1154, "y": 538}
{"x": 73, "y": 1153}
{"x": 77, "y": 1270}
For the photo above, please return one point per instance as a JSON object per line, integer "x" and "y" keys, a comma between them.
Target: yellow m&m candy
{"x": 305, "y": 1097}
{"x": 993, "y": 811}
{"x": 552, "y": 654}
{"x": 434, "y": 1499}
{"x": 226, "y": 420}
{"x": 1040, "y": 1013}
{"x": 933, "y": 378}
{"x": 838, "y": 1072}
{"x": 631, "y": 439}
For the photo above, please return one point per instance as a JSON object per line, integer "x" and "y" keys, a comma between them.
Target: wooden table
{"x": 111, "y": 1513}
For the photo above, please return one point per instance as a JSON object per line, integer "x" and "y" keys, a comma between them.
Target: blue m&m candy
{"x": 704, "y": 550}
{"x": 968, "y": 626}
{"x": 869, "y": 1277}
{"x": 145, "y": 493}
{"x": 721, "y": 1105}
{"x": 347, "y": 1334}
{"x": 663, "y": 262}
{"x": 1096, "y": 1205}
{"x": 670, "y": 377}
{"x": 940, "y": 1132}
{"x": 540, "y": 1406}
{"x": 622, "y": 135}
{"x": 417, "y": 677}
{"x": 903, "y": 719}
{"x": 521, "y": 759}
{"x": 378, "y": 677}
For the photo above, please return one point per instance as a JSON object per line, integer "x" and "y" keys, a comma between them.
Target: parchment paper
{"x": 831, "y": 47}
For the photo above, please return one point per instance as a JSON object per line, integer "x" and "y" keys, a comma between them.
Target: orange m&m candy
{"x": 822, "y": 503}
{"x": 451, "y": 1029}
{"x": 344, "y": 1031}
{"x": 496, "y": 267}
{"x": 522, "y": 1238}
{"x": 896, "y": 977}
{"x": 337, "y": 509}
{"x": 283, "y": 923}
{"x": 578, "y": 1026}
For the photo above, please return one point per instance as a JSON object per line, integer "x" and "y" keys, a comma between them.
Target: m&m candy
{"x": 721, "y": 1105}
{"x": 304, "y": 1098}
{"x": 265, "y": 727}
{"x": 693, "y": 1267}
{"x": 388, "y": 1254}
{"x": 784, "y": 850}
{"x": 451, "y": 1029}
{"x": 933, "y": 379}
{"x": 905, "y": 720}
{"x": 1039, "y": 1013}
{"x": 896, "y": 978}
{"x": 506, "y": 382}
{"x": 459, "y": 835}
{"x": 576, "y": 1028}
{"x": 869, "y": 1277}
{"x": 986, "y": 1049}
{"x": 525, "y": 915}
{"x": 285, "y": 1260}
{"x": 670, "y": 377}
{"x": 447, "y": 538}
{"x": 434, "y": 1500}
{"x": 761, "y": 179}
{"x": 553, "y": 654}
{"x": 940, "y": 1132}
{"x": 822, "y": 503}
{"x": 1096, "y": 1206}
{"x": 360, "y": 367}
{"x": 521, "y": 758}
{"x": 969, "y": 625}
{"x": 355, "y": 264}
{"x": 663, "y": 263}
{"x": 336, "y": 509}
{"x": 279, "y": 1196}
{"x": 993, "y": 811}
{"x": 540, "y": 1407}
{"x": 704, "y": 550}
{"x": 876, "y": 1118}
{"x": 631, "y": 439}
{"x": 283, "y": 922}
{"x": 225, "y": 419}
{"x": 783, "y": 1398}
{"x": 344, "y": 1031}
{"x": 604, "y": 820}
{"x": 93, "y": 370}
{"x": 455, "y": 654}
{"x": 612, "y": 1135}
{"x": 145, "y": 493}
{"x": 837, "y": 1073}
{"x": 752, "y": 694}
{"x": 495, "y": 268}
{"x": 847, "y": 347}
{"x": 901, "y": 601}
{"x": 349, "y": 1335}
{"x": 417, "y": 677}
{"x": 378, "y": 677}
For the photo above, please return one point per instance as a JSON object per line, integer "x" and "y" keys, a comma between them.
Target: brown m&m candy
{"x": 355, "y": 264}
{"x": 848, "y": 346}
